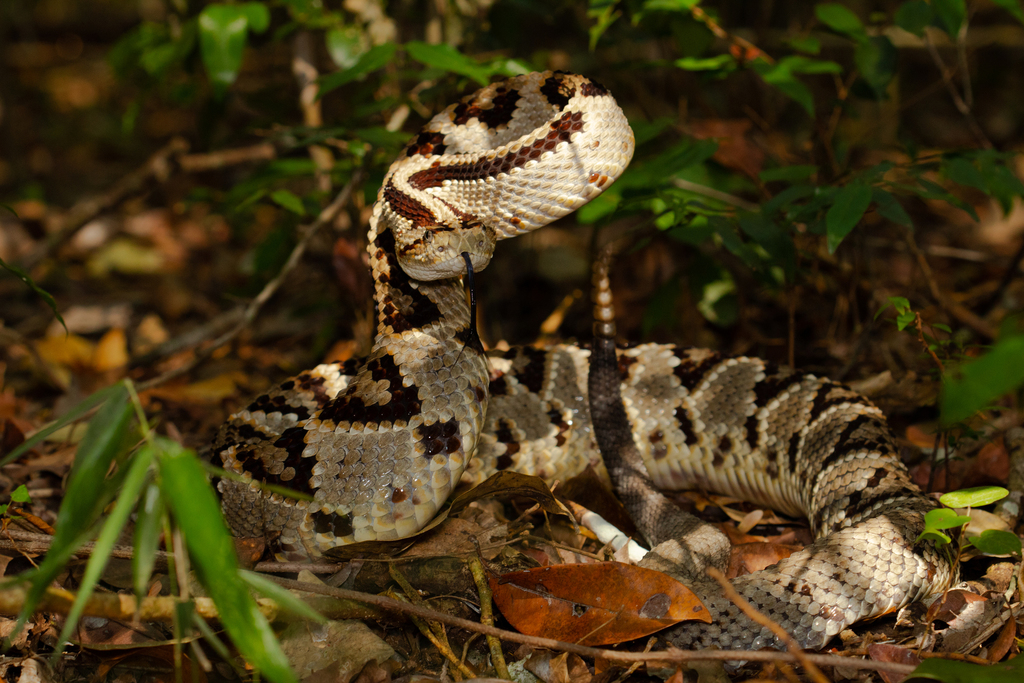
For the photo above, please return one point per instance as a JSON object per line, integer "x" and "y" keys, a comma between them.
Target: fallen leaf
{"x": 558, "y": 667}
{"x": 594, "y": 604}
{"x": 752, "y": 557}
{"x": 341, "y": 648}
{"x": 69, "y": 350}
{"x": 881, "y": 652}
{"x": 735, "y": 150}
{"x": 111, "y": 351}
{"x": 207, "y": 391}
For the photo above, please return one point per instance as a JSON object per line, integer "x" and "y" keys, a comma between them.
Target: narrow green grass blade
{"x": 148, "y": 525}
{"x": 285, "y": 599}
{"x": 84, "y": 406}
{"x": 133, "y": 483}
{"x": 197, "y": 513}
{"x": 86, "y": 495}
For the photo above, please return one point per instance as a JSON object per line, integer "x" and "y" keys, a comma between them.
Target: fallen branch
{"x": 672, "y": 656}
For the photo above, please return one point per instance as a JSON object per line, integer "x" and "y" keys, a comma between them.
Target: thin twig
{"x": 158, "y": 167}
{"x": 712, "y": 193}
{"x": 306, "y": 74}
{"x": 1007, "y": 278}
{"x": 431, "y": 629}
{"x": 924, "y": 342}
{"x": 962, "y": 106}
{"x": 672, "y": 656}
{"x": 794, "y": 648}
{"x": 952, "y": 309}
{"x": 14, "y": 539}
{"x": 747, "y": 50}
{"x": 223, "y": 158}
{"x": 483, "y": 589}
{"x": 253, "y": 308}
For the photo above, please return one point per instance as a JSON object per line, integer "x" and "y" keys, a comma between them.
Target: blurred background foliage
{"x": 797, "y": 164}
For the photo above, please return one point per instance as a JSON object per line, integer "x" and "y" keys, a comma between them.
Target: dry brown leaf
{"x": 881, "y": 652}
{"x": 558, "y": 667}
{"x": 735, "y": 150}
{"x": 208, "y": 391}
{"x": 111, "y": 352}
{"x": 752, "y": 557}
{"x": 594, "y": 604}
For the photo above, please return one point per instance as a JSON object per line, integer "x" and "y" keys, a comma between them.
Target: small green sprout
{"x": 990, "y": 542}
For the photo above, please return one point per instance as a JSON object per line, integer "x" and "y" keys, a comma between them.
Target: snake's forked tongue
{"x": 472, "y": 336}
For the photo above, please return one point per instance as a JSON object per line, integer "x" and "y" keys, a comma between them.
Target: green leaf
{"x": 914, "y": 16}
{"x": 289, "y": 201}
{"x": 197, "y": 513}
{"x": 43, "y": 294}
{"x": 87, "y": 492}
{"x": 257, "y": 15}
{"x": 962, "y": 171}
{"x": 997, "y": 542}
{"x": 72, "y": 415}
{"x": 805, "y": 65}
{"x": 373, "y": 59}
{"x": 890, "y": 208}
{"x": 604, "y": 14}
{"x": 952, "y": 671}
{"x": 900, "y": 303}
{"x": 20, "y": 495}
{"x": 944, "y": 518}
{"x": 447, "y": 58}
{"x": 223, "y": 30}
{"x": 284, "y": 598}
{"x": 148, "y": 525}
{"x": 841, "y": 20}
{"x": 1000, "y": 181}
{"x": 937, "y": 537}
{"x": 717, "y": 63}
{"x": 850, "y": 204}
{"x": 877, "y": 58}
{"x": 773, "y": 238}
{"x": 975, "y": 384}
{"x": 1013, "y": 7}
{"x": 950, "y": 15}
{"x": 345, "y": 46}
{"x": 781, "y": 76}
{"x": 807, "y": 44}
{"x": 974, "y": 497}
{"x": 787, "y": 173}
{"x": 138, "y": 470}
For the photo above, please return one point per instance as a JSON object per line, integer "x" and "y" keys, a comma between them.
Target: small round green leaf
{"x": 975, "y": 497}
{"x": 944, "y": 518}
{"x": 997, "y": 542}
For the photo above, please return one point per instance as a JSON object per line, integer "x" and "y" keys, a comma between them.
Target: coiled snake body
{"x": 380, "y": 446}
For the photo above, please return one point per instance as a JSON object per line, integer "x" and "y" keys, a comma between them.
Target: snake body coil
{"x": 379, "y": 447}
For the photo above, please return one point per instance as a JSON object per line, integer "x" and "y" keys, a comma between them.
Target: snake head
{"x": 434, "y": 252}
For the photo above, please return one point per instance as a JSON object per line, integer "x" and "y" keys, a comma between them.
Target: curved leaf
{"x": 197, "y": 513}
{"x": 974, "y": 497}
{"x": 850, "y": 204}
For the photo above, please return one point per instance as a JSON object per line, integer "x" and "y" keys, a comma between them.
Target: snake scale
{"x": 380, "y": 444}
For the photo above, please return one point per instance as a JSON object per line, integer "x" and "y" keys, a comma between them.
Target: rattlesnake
{"x": 380, "y": 445}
